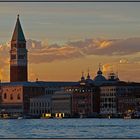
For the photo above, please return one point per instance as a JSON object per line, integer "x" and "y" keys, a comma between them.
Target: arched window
{"x": 5, "y": 95}
{"x": 18, "y": 96}
{"x": 11, "y": 96}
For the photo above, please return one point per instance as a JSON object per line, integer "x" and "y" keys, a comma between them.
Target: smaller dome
{"x": 99, "y": 78}
{"x": 88, "y": 79}
{"x": 99, "y": 72}
{"x": 113, "y": 77}
{"x": 88, "y": 76}
{"x": 82, "y": 78}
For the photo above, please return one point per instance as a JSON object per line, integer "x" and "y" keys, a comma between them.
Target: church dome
{"x": 99, "y": 78}
{"x": 82, "y": 81}
{"x": 82, "y": 78}
{"x": 113, "y": 77}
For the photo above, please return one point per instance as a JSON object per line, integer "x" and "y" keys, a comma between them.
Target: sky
{"x": 64, "y": 39}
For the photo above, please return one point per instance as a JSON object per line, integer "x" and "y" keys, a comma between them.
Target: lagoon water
{"x": 70, "y": 128}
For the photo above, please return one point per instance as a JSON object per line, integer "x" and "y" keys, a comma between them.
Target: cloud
{"x": 42, "y": 52}
{"x": 107, "y": 68}
{"x": 133, "y": 60}
{"x": 4, "y": 53}
{"x": 123, "y": 61}
{"x": 109, "y": 47}
{"x": 3, "y": 74}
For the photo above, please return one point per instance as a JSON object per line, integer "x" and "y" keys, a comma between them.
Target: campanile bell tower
{"x": 18, "y": 55}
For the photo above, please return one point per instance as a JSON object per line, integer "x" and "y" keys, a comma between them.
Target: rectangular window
{"x": 13, "y": 56}
{"x": 13, "y": 45}
{"x": 21, "y": 46}
{"x": 20, "y": 56}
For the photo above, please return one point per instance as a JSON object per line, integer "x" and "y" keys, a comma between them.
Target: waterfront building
{"x": 62, "y": 104}
{"x": 17, "y": 95}
{"x": 11, "y": 100}
{"x": 128, "y": 98}
{"x": 119, "y": 98}
{"x": 40, "y": 105}
{"x": 18, "y": 55}
{"x": 85, "y": 100}
{"x": 108, "y": 100}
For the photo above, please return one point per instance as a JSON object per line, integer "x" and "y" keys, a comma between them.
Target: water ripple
{"x": 70, "y": 128}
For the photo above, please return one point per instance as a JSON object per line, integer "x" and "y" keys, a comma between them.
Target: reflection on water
{"x": 70, "y": 128}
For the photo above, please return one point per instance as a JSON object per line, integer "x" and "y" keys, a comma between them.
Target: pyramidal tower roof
{"x": 18, "y": 34}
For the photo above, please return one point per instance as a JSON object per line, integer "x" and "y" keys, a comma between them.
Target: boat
{"x": 46, "y": 116}
{"x": 5, "y": 116}
{"x": 19, "y": 118}
{"x": 127, "y": 117}
{"x": 128, "y": 114}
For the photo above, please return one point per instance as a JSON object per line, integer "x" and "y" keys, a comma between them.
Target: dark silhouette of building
{"x": 18, "y": 55}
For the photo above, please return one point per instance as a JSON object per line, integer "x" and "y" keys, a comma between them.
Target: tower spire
{"x": 18, "y": 34}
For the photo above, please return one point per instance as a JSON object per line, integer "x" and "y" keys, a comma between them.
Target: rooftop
{"x": 18, "y": 34}
{"x": 40, "y": 83}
